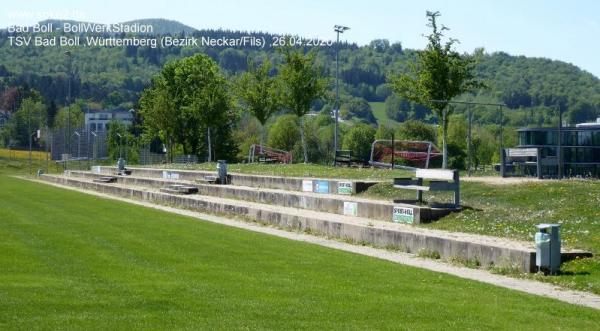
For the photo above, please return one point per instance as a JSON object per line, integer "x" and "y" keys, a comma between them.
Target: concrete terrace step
{"x": 179, "y": 189}
{"x": 338, "y": 204}
{"x": 105, "y": 179}
{"x": 485, "y": 249}
{"x": 317, "y": 185}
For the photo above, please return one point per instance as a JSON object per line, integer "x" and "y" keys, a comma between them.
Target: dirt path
{"x": 523, "y": 285}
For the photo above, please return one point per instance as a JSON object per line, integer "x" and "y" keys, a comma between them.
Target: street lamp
{"x": 68, "y": 142}
{"x": 34, "y": 133}
{"x": 94, "y": 152}
{"x": 75, "y": 133}
{"x": 120, "y": 138}
{"x": 338, "y": 29}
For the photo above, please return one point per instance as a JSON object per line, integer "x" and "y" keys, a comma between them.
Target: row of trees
{"x": 28, "y": 112}
{"x": 191, "y": 99}
{"x": 193, "y": 107}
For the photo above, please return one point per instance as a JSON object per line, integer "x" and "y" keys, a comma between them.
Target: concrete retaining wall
{"x": 448, "y": 246}
{"x": 337, "y": 204}
{"x": 275, "y": 182}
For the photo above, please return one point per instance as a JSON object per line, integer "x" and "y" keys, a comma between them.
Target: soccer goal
{"x": 404, "y": 154}
{"x": 264, "y": 154}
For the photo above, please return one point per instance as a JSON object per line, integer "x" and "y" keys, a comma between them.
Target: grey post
{"x": 338, "y": 29}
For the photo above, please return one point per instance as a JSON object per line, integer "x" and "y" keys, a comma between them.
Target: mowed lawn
{"x": 74, "y": 261}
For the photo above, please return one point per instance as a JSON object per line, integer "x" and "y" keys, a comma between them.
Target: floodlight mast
{"x": 338, "y": 29}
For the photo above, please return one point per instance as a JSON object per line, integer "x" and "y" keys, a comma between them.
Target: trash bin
{"x": 121, "y": 164}
{"x": 222, "y": 171}
{"x": 547, "y": 244}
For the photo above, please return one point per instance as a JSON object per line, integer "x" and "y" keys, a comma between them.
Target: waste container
{"x": 222, "y": 171}
{"x": 547, "y": 244}
{"x": 121, "y": 164}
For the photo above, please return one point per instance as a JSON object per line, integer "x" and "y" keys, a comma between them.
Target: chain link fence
{"x": 79, "y": 144}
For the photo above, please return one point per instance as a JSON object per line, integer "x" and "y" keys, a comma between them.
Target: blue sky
{"x": 562, "y": 30}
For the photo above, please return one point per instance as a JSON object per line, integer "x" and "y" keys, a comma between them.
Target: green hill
{"x": 115, "y": 76}
{"x": 163, "y": 26}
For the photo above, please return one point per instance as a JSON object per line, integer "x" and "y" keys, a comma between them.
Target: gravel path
{"x": 523, "y": 285}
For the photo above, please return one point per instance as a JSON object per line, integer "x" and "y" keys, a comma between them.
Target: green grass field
{"x": 509, "y": 211}
{"x": 74, "y": 261}
{"x": 300, "y": 170}
{"x": 512, "y": 211}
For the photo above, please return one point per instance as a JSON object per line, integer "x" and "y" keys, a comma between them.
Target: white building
{"x": 99, "y": 120}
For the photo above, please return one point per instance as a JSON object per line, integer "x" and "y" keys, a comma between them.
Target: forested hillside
{"x": 115, "y": 76}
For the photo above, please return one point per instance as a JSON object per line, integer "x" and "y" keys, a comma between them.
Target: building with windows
{"x": 99, "y": 120}
{"x": 538, "y": 152}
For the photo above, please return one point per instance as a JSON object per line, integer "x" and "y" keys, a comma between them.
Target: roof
{"x": 117, "y": 110}
{"x": 564, "y": 128}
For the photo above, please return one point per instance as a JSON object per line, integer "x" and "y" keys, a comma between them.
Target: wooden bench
{"x": 344, "y": 156}
{"x": 438, "y": 180}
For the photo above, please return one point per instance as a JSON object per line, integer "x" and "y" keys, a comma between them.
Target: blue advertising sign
{"x": 321, "y": 186}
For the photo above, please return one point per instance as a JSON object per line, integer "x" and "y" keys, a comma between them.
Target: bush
{"x": 456, "y": 157}
{"x": 284, "y": 133}
{"x": 416, "y": 130}
{"x": 359, "y": 139}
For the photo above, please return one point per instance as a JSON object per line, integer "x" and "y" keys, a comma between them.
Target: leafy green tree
{"x": 301, "y": 83}
{"x": 30, "y": 116}
{"x": 397, "y": 108}
{"x": 283, "y": 134}
{"x": 121, "y": 143}
{"x": 159, "y": 115}
{"x": 581, "y": 112}
{"x": 191, "y": 94}
{"x": 247, "y": 132}
{"x": 485, "y": 147}
{"x": 384, "y": 132}
{"x": 205, "y": 101}
{"x": 358, "y": 108}
{"x": 416, "y": 130}
{"x": 257, "y": 93}
{"x": 73, "y": 114}
{"x": 440, "y": 74}
{"x": 359, "y": 139}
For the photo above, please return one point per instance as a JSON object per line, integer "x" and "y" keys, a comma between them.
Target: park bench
{"x": 438, "y": 180}
{"x": 344, "y": 156}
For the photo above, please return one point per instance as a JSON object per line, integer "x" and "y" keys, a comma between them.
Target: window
{"x": 596, "y": 138}
{"x": 584, "y": 138}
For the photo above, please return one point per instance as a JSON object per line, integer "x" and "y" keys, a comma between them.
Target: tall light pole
{"x": 338, "y": 29}
{"x": 68, "y": 142}
{"x": 94, "y": 152}
{"x": 120, "y": 138}
{"x": 75, "y": 133}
